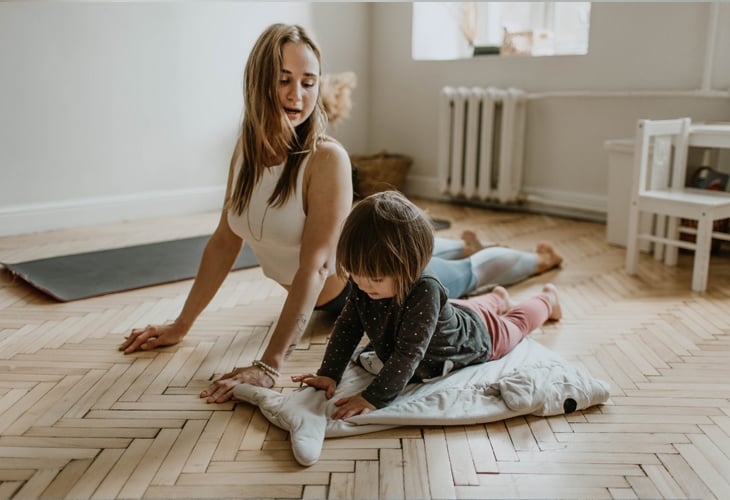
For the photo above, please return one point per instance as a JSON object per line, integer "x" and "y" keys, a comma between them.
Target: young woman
{"x": 289, "y": 190}
{"x": 413, "y": 327}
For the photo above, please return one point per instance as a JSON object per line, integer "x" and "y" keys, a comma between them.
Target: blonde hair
{"x": 386, "y": 235}
{"x": 266, "y": 132}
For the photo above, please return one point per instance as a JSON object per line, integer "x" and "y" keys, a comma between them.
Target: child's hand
{"x": 349, "y": 407}
{"x": 318, "y": 382}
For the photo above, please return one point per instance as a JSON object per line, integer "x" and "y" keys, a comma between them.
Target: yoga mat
{"x": 439, "y": 224}
{"x": 84, "y": 275}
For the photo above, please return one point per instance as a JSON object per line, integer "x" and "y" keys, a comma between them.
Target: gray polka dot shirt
{"x": 413, "y": 340}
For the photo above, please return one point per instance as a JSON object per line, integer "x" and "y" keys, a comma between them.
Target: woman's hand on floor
{"x": 221, "y": 390}
{"x": 152, "y": 336}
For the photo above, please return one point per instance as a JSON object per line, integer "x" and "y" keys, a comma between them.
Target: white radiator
{"x": 481, "y": 143}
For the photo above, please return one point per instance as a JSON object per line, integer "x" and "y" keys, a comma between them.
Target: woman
{"x": 289, "y": 191}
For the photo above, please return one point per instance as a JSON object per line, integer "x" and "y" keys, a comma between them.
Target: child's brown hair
{"x": 386, "y": 235}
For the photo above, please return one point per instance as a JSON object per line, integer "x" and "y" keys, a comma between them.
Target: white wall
{"x": 114, "y": 111}
{"x": 641, "y": 49}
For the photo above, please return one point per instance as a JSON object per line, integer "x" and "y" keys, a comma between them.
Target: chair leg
{"x": 670, "y": 252}
{"x": 660, "y": 230}
{"x": 632, "y": 240}
{"x": 646, "y": 225}
{"x": 702, "y": 254}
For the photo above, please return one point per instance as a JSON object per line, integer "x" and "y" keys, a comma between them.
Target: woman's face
{"x": 298, "y": 82}
{"x": 376, "y": 288}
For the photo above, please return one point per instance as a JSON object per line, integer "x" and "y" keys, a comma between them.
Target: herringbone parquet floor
{"x": 78, "y": 419}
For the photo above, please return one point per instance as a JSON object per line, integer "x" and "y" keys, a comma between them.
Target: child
{"x": 413, "y": 327}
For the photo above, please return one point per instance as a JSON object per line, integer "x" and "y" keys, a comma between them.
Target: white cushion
{"x": 531, "y": 379}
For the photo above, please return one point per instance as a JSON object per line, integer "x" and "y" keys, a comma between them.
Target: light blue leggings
{"x": 490, "y": 266}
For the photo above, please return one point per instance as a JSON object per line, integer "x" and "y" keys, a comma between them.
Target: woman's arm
{"x": 328, "y": 200}
{"x": 218, "y": 257}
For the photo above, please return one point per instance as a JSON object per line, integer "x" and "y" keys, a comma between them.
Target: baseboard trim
{"x": 30, "y": 218}
{"x": 567, "y": 203}
{"x": 561, "y": 203}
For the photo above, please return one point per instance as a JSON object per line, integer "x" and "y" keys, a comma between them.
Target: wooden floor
{"x": 80, "y": 420}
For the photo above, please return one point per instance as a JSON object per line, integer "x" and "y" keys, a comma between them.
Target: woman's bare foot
{"x": 551, "y": 293}
{"x": 547, "y": 258}
{"x": 472, "y": 244}
{"x": 503, "y": 294}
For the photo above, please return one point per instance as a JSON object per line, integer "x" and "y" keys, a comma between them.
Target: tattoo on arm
{"x": 301, "y": 326}
{"x": 290, "y": 350}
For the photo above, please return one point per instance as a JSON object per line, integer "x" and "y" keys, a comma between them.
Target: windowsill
{"x": 493, "y": 50}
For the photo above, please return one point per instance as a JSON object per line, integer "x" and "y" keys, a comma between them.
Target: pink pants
{"x": 509, "y": 328}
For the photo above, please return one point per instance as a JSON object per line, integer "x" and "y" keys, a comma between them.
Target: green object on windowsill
{"x": 484, "y": 50}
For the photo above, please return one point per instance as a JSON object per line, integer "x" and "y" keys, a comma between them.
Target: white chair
{"x": 660, "y": 167}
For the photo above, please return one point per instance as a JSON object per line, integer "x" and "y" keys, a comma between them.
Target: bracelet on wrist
{"x": 269, "y": 370}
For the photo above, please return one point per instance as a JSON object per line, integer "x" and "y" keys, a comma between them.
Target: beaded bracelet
{"x": 272, "y": 372}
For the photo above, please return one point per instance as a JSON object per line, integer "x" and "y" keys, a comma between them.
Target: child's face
{"x": 376, "y": 288}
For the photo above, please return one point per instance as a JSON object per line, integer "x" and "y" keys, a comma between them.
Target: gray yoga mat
{"x": 439, "y": 224}
{"x": 84, "y": 275}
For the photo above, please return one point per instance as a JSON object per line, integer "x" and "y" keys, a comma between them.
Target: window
{"x": 455, "y": 30}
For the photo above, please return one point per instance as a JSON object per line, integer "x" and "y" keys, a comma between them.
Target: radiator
{"x": 481, "y": 143}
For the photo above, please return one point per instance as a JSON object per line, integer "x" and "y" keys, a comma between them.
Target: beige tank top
{"x": 273, "y": 233}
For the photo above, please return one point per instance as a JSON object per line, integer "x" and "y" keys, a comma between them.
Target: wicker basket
{"x": 379, "y": 172}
